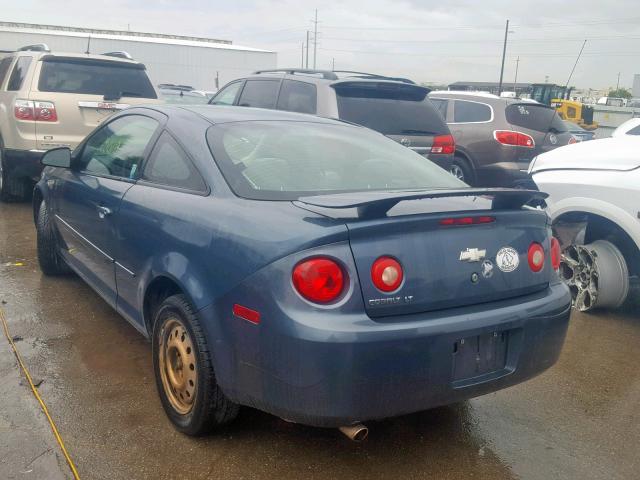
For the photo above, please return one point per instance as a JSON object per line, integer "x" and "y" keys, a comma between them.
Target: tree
{"x": 620, "y": 93}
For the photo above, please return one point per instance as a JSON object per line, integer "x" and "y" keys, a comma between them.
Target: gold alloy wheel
{"x": 178, "y": 366}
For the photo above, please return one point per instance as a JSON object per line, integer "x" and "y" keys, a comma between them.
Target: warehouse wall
{"x": 166, "y": 63}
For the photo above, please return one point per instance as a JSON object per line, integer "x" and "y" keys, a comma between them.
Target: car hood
{"x": 619, "y": 154}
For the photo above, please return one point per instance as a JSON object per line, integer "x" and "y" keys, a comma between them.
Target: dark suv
{"x": 395, "y": 107}
{"x": 496, "y": 138}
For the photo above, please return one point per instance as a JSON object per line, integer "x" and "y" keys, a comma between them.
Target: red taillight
{"x": 516, "y": 139}
{"x": 572, "y": 140}
{"x": 23, "y": 110}
{"x": 449, "y": 222}
{"x": 45, "y": 112}
{"x": 319, "y": 279}
{"x": 35, "y": 110}
{"x": 386, "y": 274}
{"x": 443, "y": 144}
{"x": 536, "y": 257}
{"x": 555, "y": 253}
{"x": 245, "y": 313}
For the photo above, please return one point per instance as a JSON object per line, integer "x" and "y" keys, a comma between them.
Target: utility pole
{"x": 618, "y": 84}
{"x": 315, "y": 39}
{"x": 333, "y": 63}
{"x": 307, "y": 64}
{"x": 504, "y": 53}
{"x": 516, "y": 79}
{"x": 302, "y": 58}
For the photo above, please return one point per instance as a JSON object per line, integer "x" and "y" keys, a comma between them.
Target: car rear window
{"x": 95, "y": 77}
{"x": 534, "y": 117}
{"x": 389, "y": 108}
{"x": 279, "y": 160}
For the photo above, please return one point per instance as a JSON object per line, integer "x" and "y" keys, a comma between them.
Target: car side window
{"x": 117, "y": 149}
{"x": 259, "y": 93}
{"x": 298, "y": 97}
{"x": 467, "y": 112}
{"x": 5, "y": 63}
{"x": 227, "y": 95}
{"x": 169, "y": 165}
{"x": 19, "y": 73}
{"x": 441, "y": 106}
{"x": 634, "y": 131}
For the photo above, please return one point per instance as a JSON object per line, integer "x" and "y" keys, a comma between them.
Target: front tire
{"x": 183, "y": 368}
{"x": 51, "y": 263}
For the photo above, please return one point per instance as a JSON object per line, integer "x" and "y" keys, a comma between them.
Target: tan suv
{"x": 55, "y": 99}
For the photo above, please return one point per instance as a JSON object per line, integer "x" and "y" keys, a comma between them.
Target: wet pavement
{"x": 581, "y": 419}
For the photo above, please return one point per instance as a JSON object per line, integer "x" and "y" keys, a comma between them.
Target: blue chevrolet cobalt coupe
{"x": 307, "y": 267}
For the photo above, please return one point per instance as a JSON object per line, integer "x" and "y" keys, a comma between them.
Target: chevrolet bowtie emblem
{"x": 472, "y": 255}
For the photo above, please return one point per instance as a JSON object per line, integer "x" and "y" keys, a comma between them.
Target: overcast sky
{"x": 431, "y": 41}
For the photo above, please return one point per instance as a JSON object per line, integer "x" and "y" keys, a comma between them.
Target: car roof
{"x": 90, "y": 56}
{"x": 329, "y": 77}
{"x": 225, "y": 114}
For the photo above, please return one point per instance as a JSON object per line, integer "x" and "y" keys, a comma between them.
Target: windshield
{"x": 95, "y": 77}
{"x": 286, "y": 160}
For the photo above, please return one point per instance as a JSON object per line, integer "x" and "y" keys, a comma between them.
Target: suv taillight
{"x": 45, "y": 112}
{"x": 443, "y": 144}
{"x": 35, "y": 110}
{"x": 23, "y": 110}
{"x": 516, "y": 139}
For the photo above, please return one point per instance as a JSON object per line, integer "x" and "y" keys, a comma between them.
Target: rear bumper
{"x": 443, "y": 161}
{"x": 373, "y": 370}
{"x": 23, "y": 163}
{"x": 504, "y": 174}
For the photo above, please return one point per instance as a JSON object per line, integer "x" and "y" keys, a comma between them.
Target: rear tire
{"x": 11, "y": 188}
{"x": 183, "y": 368}
{"x": 462, "y": 170}
{"x": 51, "y": 263}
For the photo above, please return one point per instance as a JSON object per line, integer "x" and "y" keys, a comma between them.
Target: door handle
{"x": 103, "y": 211}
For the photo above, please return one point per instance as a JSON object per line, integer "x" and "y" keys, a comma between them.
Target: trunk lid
{"x": 542, "y": 123}
{"x": 448, "y": 266}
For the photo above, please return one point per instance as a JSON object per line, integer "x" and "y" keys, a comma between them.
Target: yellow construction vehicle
{"x": 559, "y": 97}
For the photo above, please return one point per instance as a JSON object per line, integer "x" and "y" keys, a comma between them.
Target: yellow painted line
{"x": 37, "y": 395}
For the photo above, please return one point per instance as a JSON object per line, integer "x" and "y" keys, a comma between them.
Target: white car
{"x": 630, "y": 127}
{"x": 594, "y": 203}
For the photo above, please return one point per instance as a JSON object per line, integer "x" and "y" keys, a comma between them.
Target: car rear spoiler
{"x": 377, "y": 204}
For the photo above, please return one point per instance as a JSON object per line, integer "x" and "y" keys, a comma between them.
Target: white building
{"x": 169, "y": 58}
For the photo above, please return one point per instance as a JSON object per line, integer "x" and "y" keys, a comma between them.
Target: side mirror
{"x": 57, "y": 157}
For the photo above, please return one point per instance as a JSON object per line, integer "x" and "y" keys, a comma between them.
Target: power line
{"x": 490, "y": 26}
{"x": 492, "y": 41}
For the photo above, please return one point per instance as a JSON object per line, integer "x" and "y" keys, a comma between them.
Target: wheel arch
{"x": 161, "y": 287}
{"x": 38, "y": 198}
{"x": 586, "y": 225}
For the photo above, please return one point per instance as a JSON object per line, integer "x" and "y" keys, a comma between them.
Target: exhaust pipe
{"x": 356, "y": 433}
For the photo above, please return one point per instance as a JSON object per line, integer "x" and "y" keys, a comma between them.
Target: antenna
{"x": 574, "y": 67}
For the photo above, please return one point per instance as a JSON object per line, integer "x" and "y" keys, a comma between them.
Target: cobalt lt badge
{"x": 507, "y": 259}
{"x": 405, "y": 142}
{"x": 472, "y": 255}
